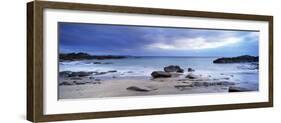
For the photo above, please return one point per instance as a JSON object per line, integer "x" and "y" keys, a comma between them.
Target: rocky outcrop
{"x": 160, "y": 74}
{"x": 173, "y": 68}
{"x": 74, "y": 74}
{"x": 85, "y": 56}
{"x": 204, "y": 84}
{"x": 239, "y": 59}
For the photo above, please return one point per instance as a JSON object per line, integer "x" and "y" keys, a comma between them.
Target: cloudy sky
{"x": 100, "y": 39}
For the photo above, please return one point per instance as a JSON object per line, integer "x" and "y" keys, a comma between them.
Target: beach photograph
{"x": 107, "y": 60}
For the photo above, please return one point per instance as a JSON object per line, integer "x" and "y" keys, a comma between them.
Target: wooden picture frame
{"x": 35, "y": 60}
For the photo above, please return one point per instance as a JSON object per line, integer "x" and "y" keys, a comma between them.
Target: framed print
{"x": 89, "y": 61}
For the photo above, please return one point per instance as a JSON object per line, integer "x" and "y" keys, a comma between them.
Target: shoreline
{"x": 87, "y": 87}
{"x": 140, "y": 77}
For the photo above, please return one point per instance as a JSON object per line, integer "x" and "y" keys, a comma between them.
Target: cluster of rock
{"x": 83, "y": 73}
{"x": 85, "y": 56}
{"x": 169, "y": 71}
{"x": 239, "y": 59}
{"x": 205, "y": 84}
{"x": 74, "y": 74}
{"x": 68, "y": 83}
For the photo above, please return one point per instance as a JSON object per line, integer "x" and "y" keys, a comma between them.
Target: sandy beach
{"x": 87, "y": 87}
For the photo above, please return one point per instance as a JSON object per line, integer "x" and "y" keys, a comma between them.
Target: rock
{"x": 226, "y": 78}
{"x": 91, "y": 77}
{"x": 160, "y": 74}
{"x": 76, "y": 78}
{"x": 173, "y": 68}
{"x": 66, "y": 83}
{"x": 190, "y": 70}
{"x": 182, "y": 86}
{"x": 80, "y": 74}
{"x": 141, "y": 89}
{"x": 130, "y": 72}
{"x": 108, "y": 63}
{"x": 65, "y": 73}
{"x": 238, "y": 89}
{"x": 98, "y": 80}
{"x": 112, "y": 71}
{"x": 97, "y": 63}
{"x": 100, "y": 73}
{"x": 79, "y": 83}
{"x": 239, "y": 59}
{"x": 191, "y": 76}
{"x": 225, "y": 83}
{"x": 205, "y": 84}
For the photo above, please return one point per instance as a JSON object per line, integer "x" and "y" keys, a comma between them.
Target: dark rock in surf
{"x": 96, "y": 62}
{"x": 112, "y": 71}
{"x": 173, "y": 68}
{"x": 190, "y": 70}
{"x": 80, "y": 74}
{"x": 66, "y": 83}
{"x": 74, "y": 74}
{"x": 65, "y": 73}
{"x": 101, "y": 73}
{"x": 160, "y": 74}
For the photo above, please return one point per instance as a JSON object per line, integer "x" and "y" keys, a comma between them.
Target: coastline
{"x": 86, "y": 87}
{"x": 117, "y": 77}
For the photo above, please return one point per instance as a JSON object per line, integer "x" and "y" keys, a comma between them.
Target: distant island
{"x": 86, "y": 56}
{"x": 238, "y": 59}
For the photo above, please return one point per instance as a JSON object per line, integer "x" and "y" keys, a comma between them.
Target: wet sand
{"x": 87, "y": 87}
